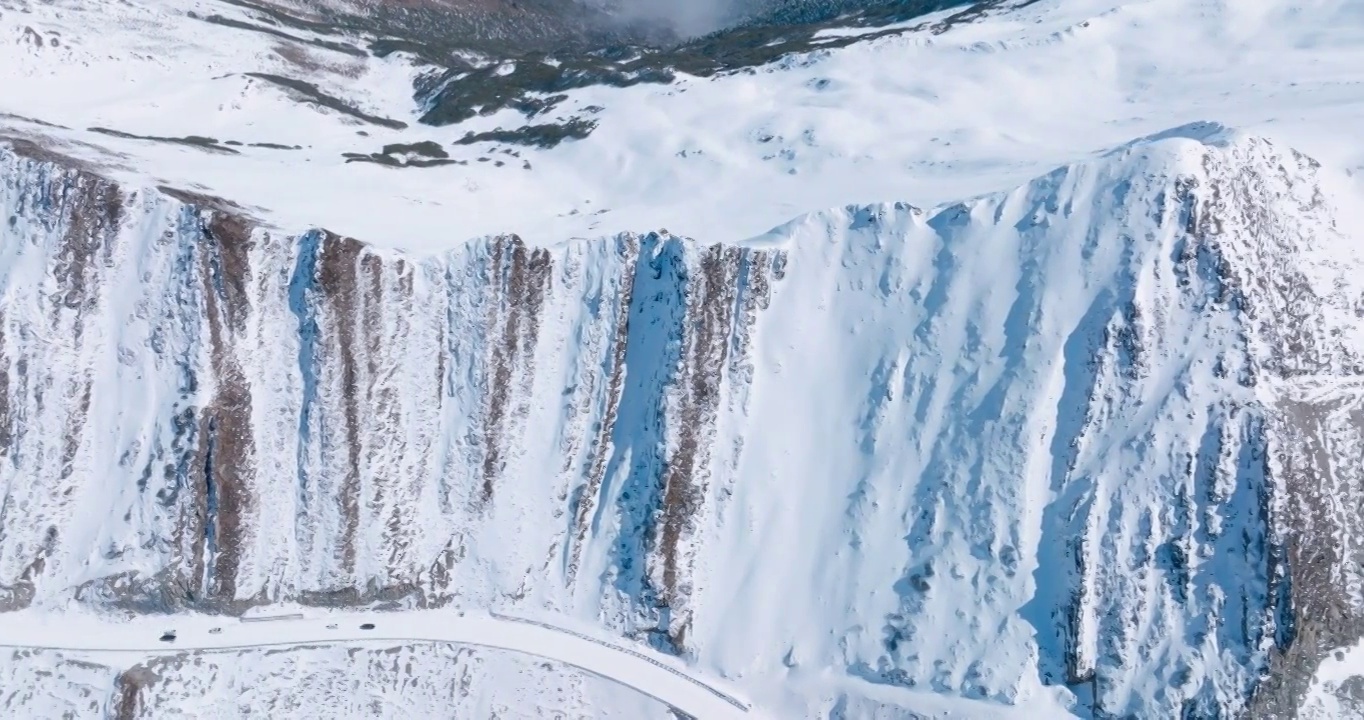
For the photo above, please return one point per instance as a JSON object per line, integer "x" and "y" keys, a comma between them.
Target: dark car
{"x": 168, "y": 636}
{"x": 367, "y": 626}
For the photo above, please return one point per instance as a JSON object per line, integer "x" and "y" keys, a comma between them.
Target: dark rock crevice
{"x": 519, "y": 279}
{"x": 228, "y": 468}
{"x": 339, "y": 280}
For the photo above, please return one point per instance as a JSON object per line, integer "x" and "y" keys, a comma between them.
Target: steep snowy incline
{"x": 1090, "y": 443}
{"x": 202, "y": 414}
{"x": 1102, "y": 429}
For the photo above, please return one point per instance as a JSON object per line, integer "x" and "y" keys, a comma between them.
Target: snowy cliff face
{"x": 1098, "y": 433}
{"x": 199, "y": 413}
{"x": 1101, "y": 430}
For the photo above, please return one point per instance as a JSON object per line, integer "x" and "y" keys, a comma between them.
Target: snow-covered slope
{"x": 307, "y": 418}
{"x": 1087, "y": 443}
{"x": 981, "y": 107}
{"x": 1109, "y": 408}
{"x": 419, "y": 681}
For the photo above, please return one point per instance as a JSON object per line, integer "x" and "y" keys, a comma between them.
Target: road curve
{"x": 662, "y": 678}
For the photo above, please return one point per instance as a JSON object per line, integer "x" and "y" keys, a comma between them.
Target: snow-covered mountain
{"x": 1085, "y": 442}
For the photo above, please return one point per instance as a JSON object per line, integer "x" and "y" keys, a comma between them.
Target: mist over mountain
{"x": 557, "y": 24}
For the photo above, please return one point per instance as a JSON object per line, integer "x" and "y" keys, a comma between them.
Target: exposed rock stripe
{"x": 338, "y": 278}
{"x": 129, "y": 688}
{"x": 520, "y": 281}
{"x": 710, "y": 307}
{"x": 225, "y": 424}
{"x": 93, "y": 207}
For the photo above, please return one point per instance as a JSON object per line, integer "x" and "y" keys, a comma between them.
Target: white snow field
{"x": 1012, "y": 371}
{"x": 918, "y": 117}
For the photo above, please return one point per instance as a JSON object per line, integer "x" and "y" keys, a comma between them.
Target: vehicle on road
{"x": 632, "y": 667}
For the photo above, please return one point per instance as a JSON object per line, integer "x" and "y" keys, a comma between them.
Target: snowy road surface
{"x": 661, "y": 677}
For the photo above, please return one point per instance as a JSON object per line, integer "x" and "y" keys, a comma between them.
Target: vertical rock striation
{"x": 310, "y": 419}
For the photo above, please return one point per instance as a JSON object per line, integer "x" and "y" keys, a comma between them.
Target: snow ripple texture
{"x": 1099, "y": 433}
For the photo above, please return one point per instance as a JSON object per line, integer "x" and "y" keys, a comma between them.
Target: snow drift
{"x": 416, "y": 681}
{"x": 1095, "y": 439}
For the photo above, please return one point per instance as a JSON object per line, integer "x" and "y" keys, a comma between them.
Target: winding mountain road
{"x": 660, "y": 677}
